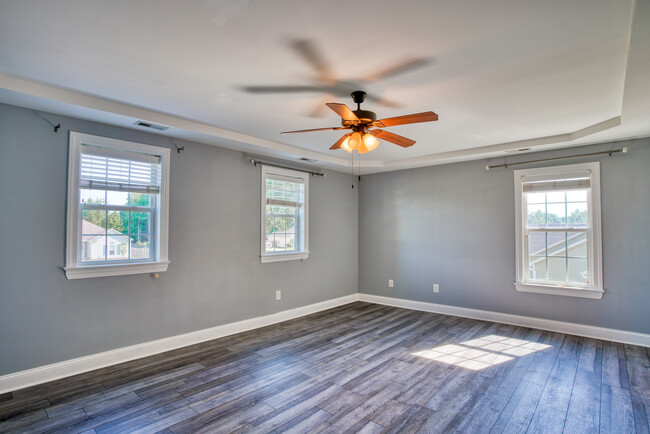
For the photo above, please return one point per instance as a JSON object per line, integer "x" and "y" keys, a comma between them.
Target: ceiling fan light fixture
{"x": 354, "y": 141}
{"x": 346, "y": 146}
{"x": 371, "y": 142}
{"x": 363, "y": 149}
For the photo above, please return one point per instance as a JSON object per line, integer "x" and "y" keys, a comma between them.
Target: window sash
{"x": 294, "y": 197}
{"x": 578, "y": 183}
{"x": 137, "y": 154}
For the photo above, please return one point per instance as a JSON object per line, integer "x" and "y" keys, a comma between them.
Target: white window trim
{"x": 595, "y": 255}
{"x": 74, "y": 269}
{"x": 293, "y": 256}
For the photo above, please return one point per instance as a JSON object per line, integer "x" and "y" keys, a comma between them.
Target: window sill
{"x": 560, "y": 290}
{"x": 277, "y": 257}
{"x": 84, "y": 272}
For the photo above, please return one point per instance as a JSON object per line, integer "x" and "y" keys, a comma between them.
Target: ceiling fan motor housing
{"x": 365, "y": 116}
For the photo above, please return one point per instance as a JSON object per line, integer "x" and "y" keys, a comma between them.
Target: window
{"x": 284, "y": 214}
{"x": 117, "y": 207}
{"x": 558, "y": 230}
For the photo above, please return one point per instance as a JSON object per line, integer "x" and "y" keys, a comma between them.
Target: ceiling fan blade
{"x": 343, "y": 111}
{"x": 393, "y": 138}
{"x": 407, "y": 119}
{"x": 382, "y": 101}
{"x": 340, "y": 141}
{"x": 281, "y": 89}
{"x": 398, "y": 68}
{"x": 318, "y": 110}
{"x": 313, "y": 129}
{"x": 308, "y": 51}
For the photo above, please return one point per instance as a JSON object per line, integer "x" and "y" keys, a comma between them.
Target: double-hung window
{"x": 285, "y": 223}
{"x": 117, "y": 207}
{"x": 558, "y": 230}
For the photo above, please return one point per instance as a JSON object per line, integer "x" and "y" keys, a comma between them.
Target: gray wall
{"x": 454, "y": 225}
{"x": 215, "y": 276}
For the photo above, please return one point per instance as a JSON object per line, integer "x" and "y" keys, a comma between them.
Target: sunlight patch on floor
{"x": 481, "y": 353}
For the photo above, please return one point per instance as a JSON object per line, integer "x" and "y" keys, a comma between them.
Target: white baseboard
{"x": 588, "y": 331}
{"x": 67, "y": 368}
{"x": 43, "y": 374}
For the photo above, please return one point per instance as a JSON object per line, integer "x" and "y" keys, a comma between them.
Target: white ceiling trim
{"x": 53, "y": 93}
{"x": 500, "y": 149}
{"x": 138, "y": 113}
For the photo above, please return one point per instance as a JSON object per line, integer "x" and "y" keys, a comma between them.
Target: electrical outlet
{"x": 278, "y": 295}
{"x": 436, "y": 287}
{"x": 390, "y": 283}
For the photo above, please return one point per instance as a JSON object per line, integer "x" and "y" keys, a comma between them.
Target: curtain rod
{"x": 256, "y": 162}
{"x": 613, "y": 151}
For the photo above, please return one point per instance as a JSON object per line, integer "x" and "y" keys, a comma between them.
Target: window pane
{"x": 140, "y": 222}
{"x": 577, "y": 242}
{"x": 93, "y": 222}
{"x": 555, "y": 197}
{"x": 140, "y": 247}
{"x": 578, "y": 270}
{"x": 139, "y": 199}
{"x": 279, "y": 224}
{"x": 557, "y": 269}
{"x": 536, "y": 215}
{"x": 92, "y": 248}
{"x": 576, "y": 196}
{"x": 118, "y": 221}
{"x": 556, "y": 242}
{"x": 536, "y": 197}
{"x": 290, "y": 224}
{"x": 118, "y": 247}
{"x": 291, "y": 241}
{"x": 537, "y": 267}
{"x": 577, "y": 214}
{"x": 119, "y": 198}
{"x": 556, "y": 215}
{"x": 269, "y": 224}
{"x": 537, "y": 244}
{"x": 93, "y": 196}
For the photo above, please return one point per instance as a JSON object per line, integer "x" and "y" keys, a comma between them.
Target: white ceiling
{"x": 501, "y": 75}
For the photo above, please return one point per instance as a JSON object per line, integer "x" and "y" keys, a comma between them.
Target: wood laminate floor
{"x": 356, "y": 368}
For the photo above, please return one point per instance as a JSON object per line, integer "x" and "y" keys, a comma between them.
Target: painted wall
{"x": 454, "y": 225}
{"x": 215, "y": 276}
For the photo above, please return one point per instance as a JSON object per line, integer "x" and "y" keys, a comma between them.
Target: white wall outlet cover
{"x": 278, "y": 295}
{"x": 390, "y": 283}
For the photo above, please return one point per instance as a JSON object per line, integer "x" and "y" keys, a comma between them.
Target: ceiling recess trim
{"x": 67, "y": 96}
{"x": 79, "y": 99}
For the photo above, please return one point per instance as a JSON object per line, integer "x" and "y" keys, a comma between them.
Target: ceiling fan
{"x": 363, "y": 137}
{"x": 326, "y": 81}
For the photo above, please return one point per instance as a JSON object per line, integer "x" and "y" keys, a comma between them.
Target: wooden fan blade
{"x": 393, "y": 138}
{"x": 407, "y": 119}
{"x": 398, "y": 68}
{"x": 340, "y": 141}
{"x": 313, "y": 129}
{"x": 343, "y": 111}
{"x": 312, "y": 55}
{"x": 281, "y": 89}
{"x": 383, "y": 101}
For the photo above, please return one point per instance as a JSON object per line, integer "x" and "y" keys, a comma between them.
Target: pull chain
{"x": 358, "y": 170}
{"x": 352, "y": 166}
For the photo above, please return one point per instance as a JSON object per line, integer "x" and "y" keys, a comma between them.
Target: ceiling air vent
{"x": 150, "y": 125}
